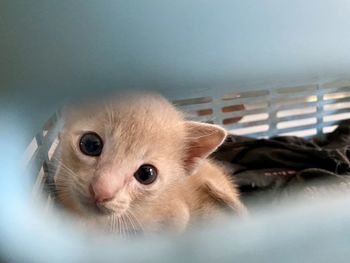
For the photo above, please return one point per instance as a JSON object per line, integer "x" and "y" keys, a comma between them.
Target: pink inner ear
{"x": 194, "y": 154}
{"x": 205, "y": 139}
{"x": 202, "y": 148}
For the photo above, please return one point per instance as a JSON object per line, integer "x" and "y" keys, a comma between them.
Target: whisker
{"x": 118, "y": 223}
{"x": 136, "y": 220}
{"x": 128, "y": 217}
{"x": 122, "y": 226}
{"x": 115, "y": 224}
{"x": 125, "y": 226}
{"x": 111, "y": 225}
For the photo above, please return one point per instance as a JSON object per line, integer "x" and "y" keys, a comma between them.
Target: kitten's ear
{"x": 202, "y": 139}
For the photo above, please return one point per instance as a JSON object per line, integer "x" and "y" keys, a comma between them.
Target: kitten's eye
{"x": 146, "y": 174}
{"x": 91, "y": 144}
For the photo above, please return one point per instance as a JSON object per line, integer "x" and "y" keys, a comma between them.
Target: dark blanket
{"x": 284, "y": 164}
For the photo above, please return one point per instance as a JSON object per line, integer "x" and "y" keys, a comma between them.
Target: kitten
{"x": 134, "y": 163}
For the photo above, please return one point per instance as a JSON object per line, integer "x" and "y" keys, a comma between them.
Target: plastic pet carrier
{"x": 257, "y": 68}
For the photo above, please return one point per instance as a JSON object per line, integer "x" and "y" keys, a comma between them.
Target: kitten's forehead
{"x": 143, "y": 121}
{"x": 120, "y": 109}
{"x": 130, "y": 122}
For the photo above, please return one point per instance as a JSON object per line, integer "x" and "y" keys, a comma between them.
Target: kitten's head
{"x": 118, "y": 155}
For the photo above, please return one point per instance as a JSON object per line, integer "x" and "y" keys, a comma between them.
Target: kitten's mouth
{"x": 100, "y": 208}
{"x": 97, "y": 208}
{"x": 103, "y": 209}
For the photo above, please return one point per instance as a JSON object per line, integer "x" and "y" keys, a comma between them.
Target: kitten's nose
{"x": 101, "y": 195}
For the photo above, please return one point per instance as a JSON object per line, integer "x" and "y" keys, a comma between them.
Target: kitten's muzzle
{"x": 100, "y": 198}
{"x": 102, "y": 202}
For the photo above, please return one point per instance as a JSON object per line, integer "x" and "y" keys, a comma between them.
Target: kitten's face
{"x": 116, "y": 157}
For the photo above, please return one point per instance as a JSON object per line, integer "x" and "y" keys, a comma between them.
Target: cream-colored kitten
{"x": 133, "y": 163}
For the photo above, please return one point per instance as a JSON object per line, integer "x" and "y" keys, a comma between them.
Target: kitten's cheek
{"x": 86, "y": 161}
{"x": 154, "y": 187}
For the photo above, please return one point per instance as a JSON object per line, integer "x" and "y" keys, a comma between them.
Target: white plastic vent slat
{"x": 248, "y": 124}
{"x": 296, "y": 112}
{"x": 329, "y": 129}
{"x": 296, "y": 123}
{"x": 336, "y": 95}
{"x": 30, "y": 151}
{"x": 280, "y": 107}
{"x": 302, "y": 133}
{"x": 254, "y": 117}
{"x": 337, "y": 106}
{"x": 295, "y": 128}
{"x": 248, "y": 130}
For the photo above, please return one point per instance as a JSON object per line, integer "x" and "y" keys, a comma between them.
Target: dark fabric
{"x": 282, "y": 164}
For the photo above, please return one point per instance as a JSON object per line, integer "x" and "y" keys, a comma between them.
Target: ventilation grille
{"x": 300, "y": 111}
{"x": 40, "y": 158}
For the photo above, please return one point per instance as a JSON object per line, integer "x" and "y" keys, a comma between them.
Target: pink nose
{"x": 100, "y": 194}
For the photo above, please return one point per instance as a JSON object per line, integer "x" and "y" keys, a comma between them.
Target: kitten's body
{"x": 136, "y": 130}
